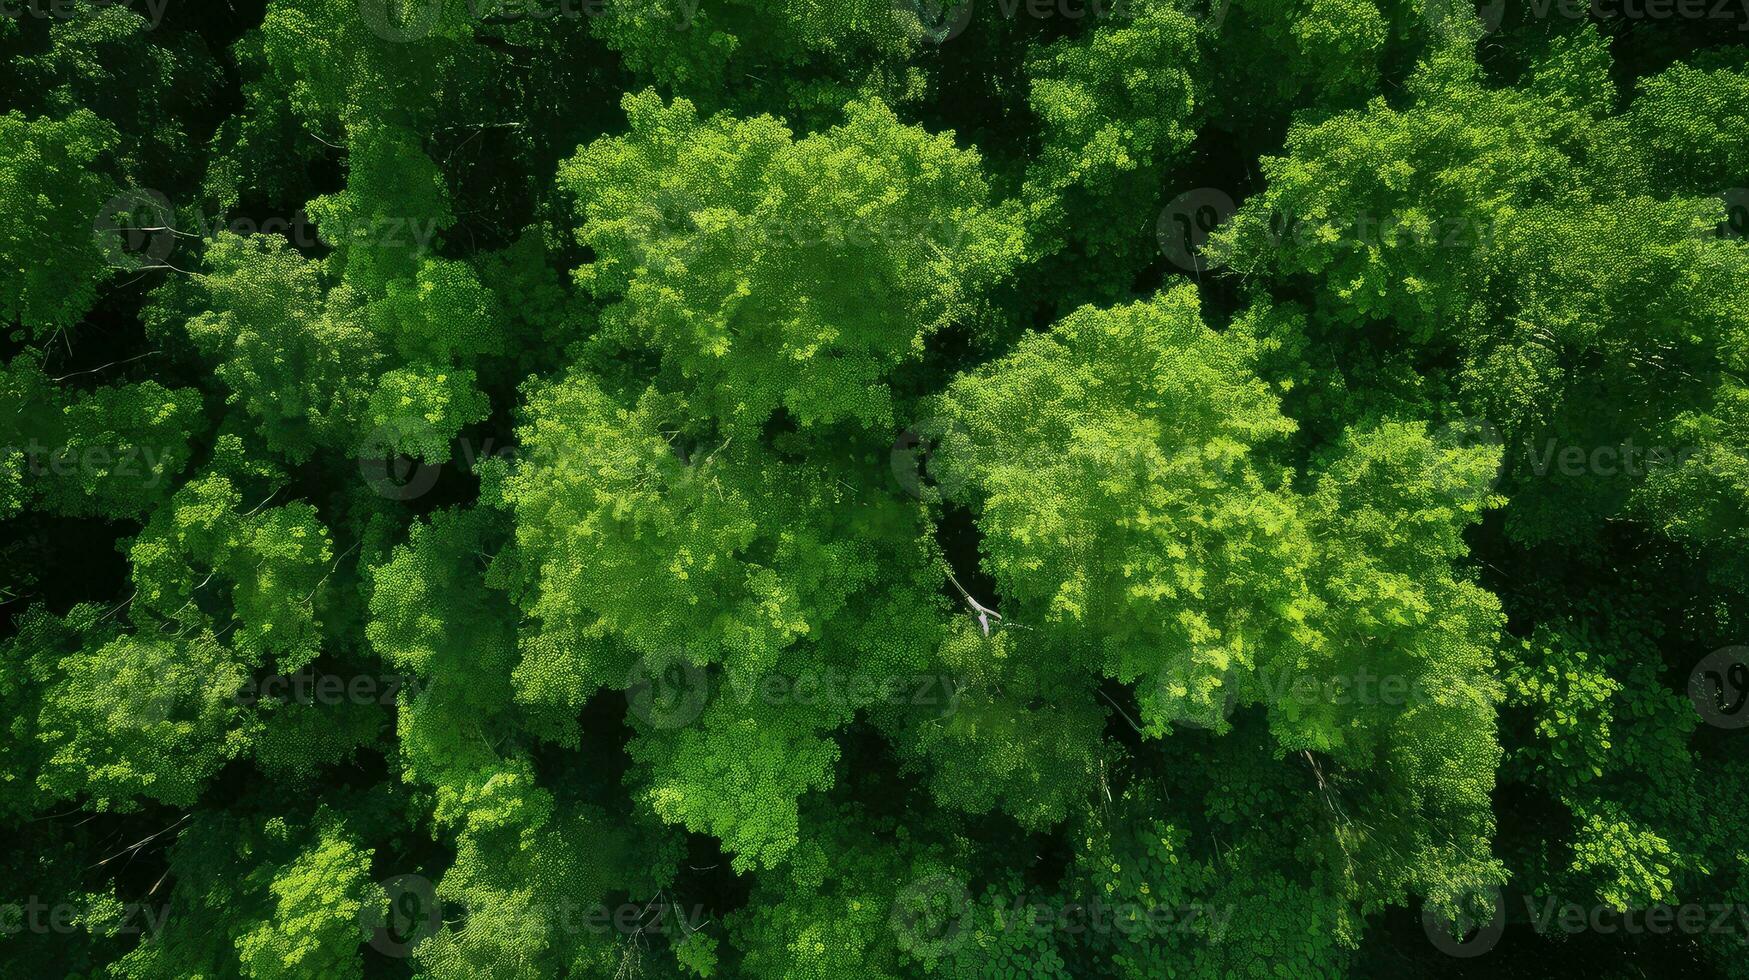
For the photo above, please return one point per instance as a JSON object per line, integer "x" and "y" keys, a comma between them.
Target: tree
{"x": 520, "y": 489}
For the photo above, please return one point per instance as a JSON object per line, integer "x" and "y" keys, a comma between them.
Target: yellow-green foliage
{"x": 551, "y": 488}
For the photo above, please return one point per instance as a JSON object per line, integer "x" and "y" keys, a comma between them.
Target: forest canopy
{"x": 878, "y": 489}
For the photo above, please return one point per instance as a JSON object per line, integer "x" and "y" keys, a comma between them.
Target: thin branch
{"x": 111, "y": 364}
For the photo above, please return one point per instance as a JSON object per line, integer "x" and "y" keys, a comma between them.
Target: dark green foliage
{"x": 551, "y": 488}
